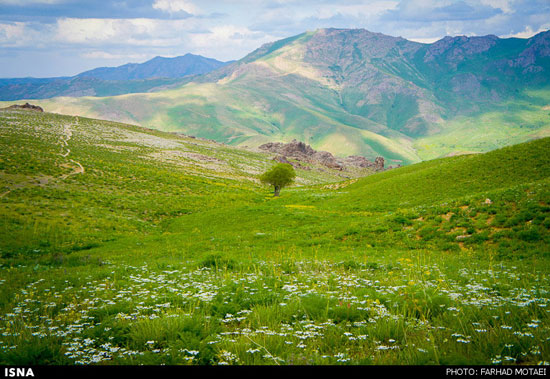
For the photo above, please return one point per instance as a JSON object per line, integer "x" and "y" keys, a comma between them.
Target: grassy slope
{"x": 508, "y": 123}
{"x": 238, "y": 115}
{"x": 126, "y": 169}
{"x": 150, "y": 256}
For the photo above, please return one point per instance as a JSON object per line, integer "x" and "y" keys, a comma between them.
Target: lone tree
{"x": 279, "y": 176}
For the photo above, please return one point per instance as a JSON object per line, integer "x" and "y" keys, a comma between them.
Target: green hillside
{"x": 351, "y": 91}
{"x": 123, "y": 245}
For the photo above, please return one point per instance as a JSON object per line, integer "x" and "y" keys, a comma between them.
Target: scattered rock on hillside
{"x": 302, "y": 152}
{"x": 26, "y": 106}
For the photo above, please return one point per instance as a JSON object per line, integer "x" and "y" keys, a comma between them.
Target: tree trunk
{"x": 277, "y": 191}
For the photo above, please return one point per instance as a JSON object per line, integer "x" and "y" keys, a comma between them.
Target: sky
{"x": 49, "y": 38}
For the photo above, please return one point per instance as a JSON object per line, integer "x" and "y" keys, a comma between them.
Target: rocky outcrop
{"x": 537, "y": 47}
{"x": 379, "y": 164}
{"x": 302, "y": 152}
{"x": 282, "y": 159}
{"x": 26, "y": 106}
{"x": 292, "y": 149}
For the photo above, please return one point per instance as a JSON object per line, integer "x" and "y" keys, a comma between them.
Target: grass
{"x": 166, "y": 250}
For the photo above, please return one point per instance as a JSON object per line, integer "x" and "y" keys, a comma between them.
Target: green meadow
{"x": 123, "y": 245}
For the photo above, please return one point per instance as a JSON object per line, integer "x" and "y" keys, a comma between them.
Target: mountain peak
{"x": 158, "y": 67}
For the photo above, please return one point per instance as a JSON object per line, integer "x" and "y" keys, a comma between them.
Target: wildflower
{"x": 496, "y": 360}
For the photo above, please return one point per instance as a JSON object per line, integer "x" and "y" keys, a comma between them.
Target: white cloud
{"x": 504, "y": 5}
{"x": 22, "y": 34}
{"x": 137, "y": 31}
{"x": 370, "y": 9}
{"x": 528, "y": 32}
{"x": 11, "y": 33}
{"x": 174, "y": 6}
{"x": 425, "y": 40}
{"x": 228, "y": 41}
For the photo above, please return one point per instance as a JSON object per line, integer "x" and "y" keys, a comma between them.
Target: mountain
{"x": 157, "y": 67}
{"x": 354, "y": 92}
{"x": 153, "y": 75}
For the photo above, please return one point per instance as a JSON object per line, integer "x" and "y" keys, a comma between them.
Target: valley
{"x": 122, "y": 244}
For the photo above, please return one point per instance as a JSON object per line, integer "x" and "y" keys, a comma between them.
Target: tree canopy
{"x": 279, "y": 176}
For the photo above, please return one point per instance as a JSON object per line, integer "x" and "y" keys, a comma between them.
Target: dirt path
{"x": 65, "y": 138}
{"x": 76, "y": 170}
{"x": 42, "y": 180}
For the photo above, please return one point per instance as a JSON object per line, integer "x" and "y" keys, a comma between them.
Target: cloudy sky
{"x": 45, "y": 38}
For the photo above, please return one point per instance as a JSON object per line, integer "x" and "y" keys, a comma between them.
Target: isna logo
{"x": 17, "y": 372}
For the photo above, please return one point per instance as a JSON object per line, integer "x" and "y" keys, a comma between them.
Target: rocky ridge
{"x": 302, "y": 152}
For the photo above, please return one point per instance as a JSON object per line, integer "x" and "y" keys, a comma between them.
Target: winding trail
{"x": 76, "y": 171}
{"x": 75, "y": 166}
{"x": 68, "y": 133}
{"x": 65, "y": 138}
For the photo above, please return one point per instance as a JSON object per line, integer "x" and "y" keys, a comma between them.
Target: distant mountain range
{"x": 355, "y": 92}
{"x": 155, "y": 74}
{"x": 158, "y": 67}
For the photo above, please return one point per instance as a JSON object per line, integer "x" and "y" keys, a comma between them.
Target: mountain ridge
{"x": 157, "y": 67}
{"x": 152, "y": 75}
{"x": 356, "y": 92}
